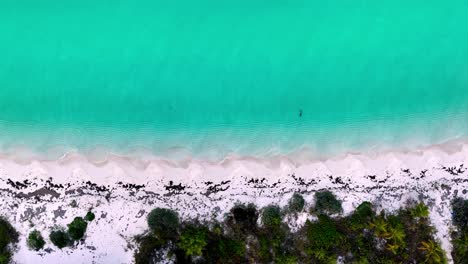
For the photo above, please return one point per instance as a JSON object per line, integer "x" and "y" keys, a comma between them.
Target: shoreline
{"x": 122, "y": 191}
{"x": 99, "y": 155}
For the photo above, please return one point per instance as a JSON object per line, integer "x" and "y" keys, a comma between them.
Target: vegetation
{"x": 89, "y": 216}
{"x": 193, "y": 240}
{"x": 242, "y": 219}
{"x": 164, "y": 223}
{"x": 271, "y": 216}
{"x": 364, "y": 236}
{"x": 35, "y": 240}
{"x": 326, "y": 203}
{"x": 8, "y": 236}
{"x": 60, "y": 238}
{"x": 149, "y": 250}
{"x": 76, "y": 231}
{"x": 460, "y": 234}
{"x": 323, "y": 238}
{"x": 296, "y": 203}
{"x": 77, "y": 228}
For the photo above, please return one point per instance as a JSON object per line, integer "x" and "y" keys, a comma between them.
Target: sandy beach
{"x": 121, "y": 191}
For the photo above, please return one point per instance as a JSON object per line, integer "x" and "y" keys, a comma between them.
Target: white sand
{"x": 120, "y": 212}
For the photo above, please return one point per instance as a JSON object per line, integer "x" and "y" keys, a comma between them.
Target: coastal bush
{"x": 326, "y": 203}
{"x": 243, "y": 219}
{"x": 433, "y": 253}
{"x": 148, "y": 249}
{"x": 8, "y": 236}
{"x": 403, "y": 236}
{"x": 35, "y": 240}
{"x": 164, "y": 223}
{"x": 460, "y": 248}
{"x": 271, "y": 243}
{"x": 391, "y": 231}
{"x": 77, "y": 228}
{"x": 460, "y": 213}
{"x": 223, "y": 249}
{"x": 296, "y": 203}
{"x": 193, "y": 240}
{"x": 59, "y": 238}
{"x": 271, "y": 216}
{"x": 460, "y": 234}
{"x": 323, "y": 234}
{"x": 420, "y": 210}
{"x": 362, "y": 215}
{"x": 89, "y": 216}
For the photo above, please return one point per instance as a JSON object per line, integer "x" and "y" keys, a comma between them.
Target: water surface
{"x": 214, "y": 77}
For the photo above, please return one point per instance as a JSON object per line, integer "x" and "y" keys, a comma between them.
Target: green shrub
{"x": 287, "y": 259}
{"x": 460, "y": 248}
{"x": 460, "y": 236}
{"x": 77, "y": 228}
{"x": 323, "y": 233}
{"x": 8, "y": 235}
{"x": 296, "y": 203}
{"x": 163, "y": 223}
{"x": 35, "y": 240}
{"x": 322, "y": 237}
{"x": 264, "y": 250}
{"x": 271, "y": 241}
{"x": 89, "y": 216}
{"x": 244, "y": 217}
{"x": 230, "y": 247}
{"x": 59, "y": 238}
{"x": 433, "y": 253}
{"x": 460, "y": 213}
{"x": 193, "y": 240}
{"x": 148, "y": 247}
{"x": 222, "y": 249}
{"x": 419, "y": 211}
{"x": 5, "y": 257}
{"x": 326, "y": 203}
{"x": 362, "y": 215}
{"x": 271, "y": 216}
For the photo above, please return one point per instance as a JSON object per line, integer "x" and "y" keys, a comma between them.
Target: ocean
{"x": 214, "y": 78}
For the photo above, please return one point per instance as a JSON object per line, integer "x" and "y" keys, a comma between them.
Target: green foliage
{"x": 362, "y": 216}
{"x": 60, "y": 238}
{"x": 363, "y": 237}
{"x": 164, "y": 223}
{"x": 35, "y": 240}
{"x": 392, "y": 231}
{"x": 229, "y": 247}
{"x": 420, "y": 211}
{"x": 147, "y": 251}
{"x": 289, "y": 259}
{"x": 193, "y": 240}
{"x": 77, "y": 228}
{"x": 243, "y": 219}
{"x": 271, "y": 244}
{"x": 460, "y": 213}
{"x": 322, "y": 236}
{"x": 433, "y": 253}
{"x": 89, "y": 216}
{"x": 326, "y": 203}
{"x": 222, "y": 249}
{"x": 296, "y": 203}
{"x": 460, "y": 236}
{"x": 460, "y": 246}
{"x": 8, "y": 235}
{"x": 271, "y": 216}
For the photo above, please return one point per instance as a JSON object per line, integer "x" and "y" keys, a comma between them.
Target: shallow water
{"x": 215, "y": 77}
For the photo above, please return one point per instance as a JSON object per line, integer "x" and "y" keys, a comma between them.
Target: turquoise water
{"x": 232, "y": 76}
